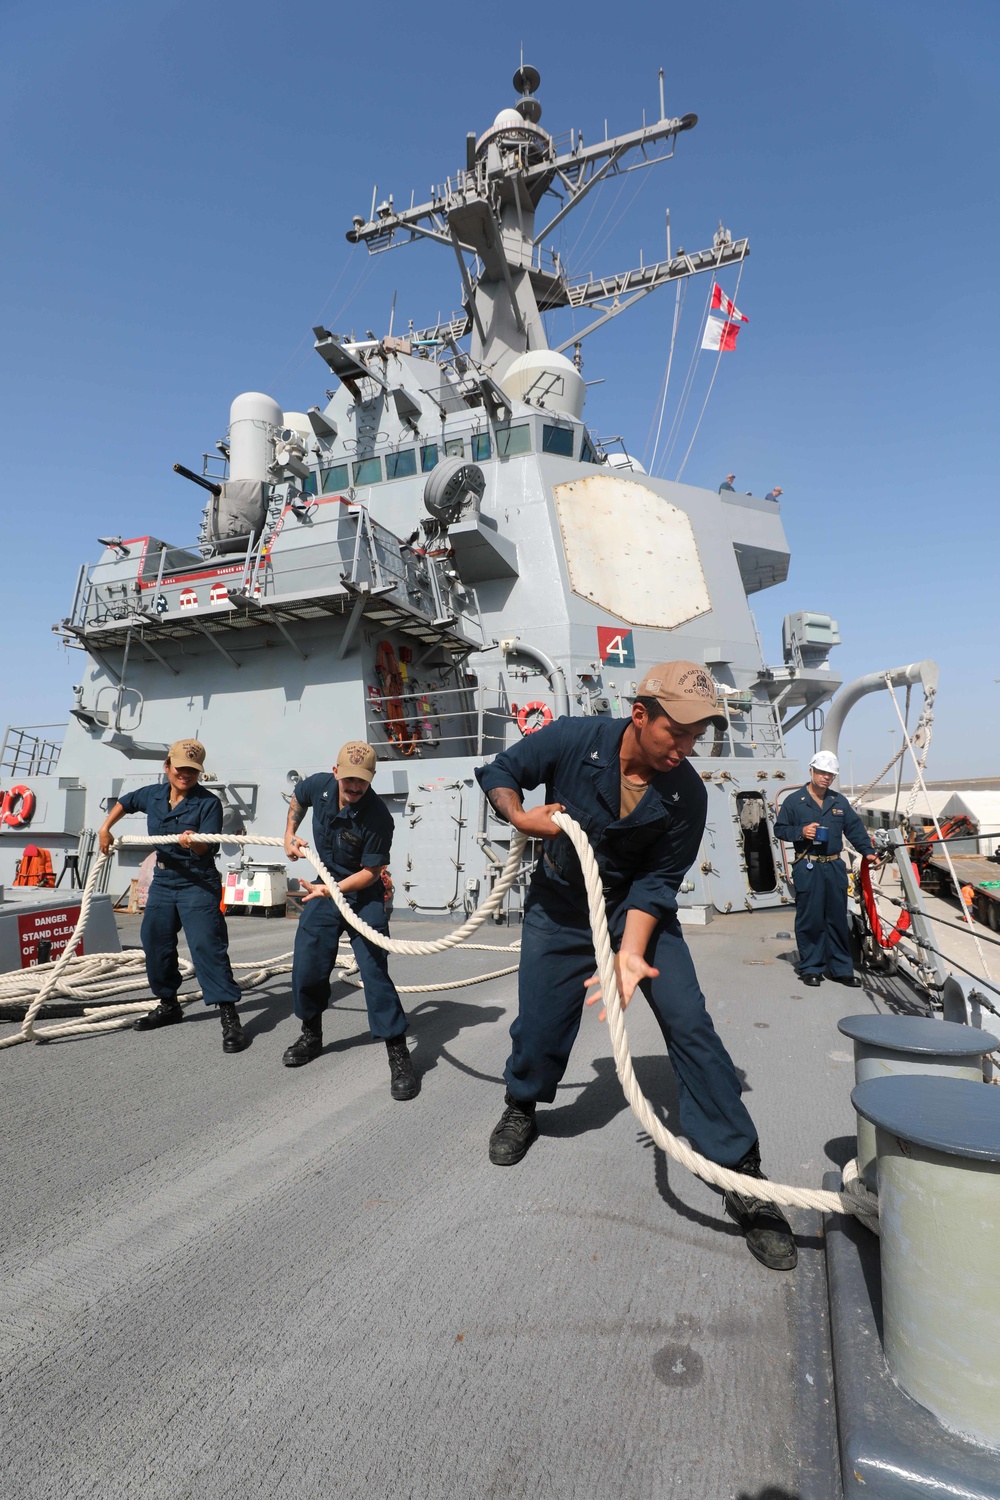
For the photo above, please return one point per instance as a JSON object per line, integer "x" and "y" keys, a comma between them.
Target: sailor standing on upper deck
{"x": 642, "y": 805}
{"x": 817, "y": 820}
{"x": 353, "y": 831}
{"x": 185, "y": 893}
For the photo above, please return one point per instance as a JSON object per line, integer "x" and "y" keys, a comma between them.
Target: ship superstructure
{"x": 439, "y": 556}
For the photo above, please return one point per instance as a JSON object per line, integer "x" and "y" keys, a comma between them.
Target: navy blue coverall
{"x": 642, "y": 859}
{"x": 184, "y": 894}
{"x": 346, "y": 839}
{"x": 821, "y": 932}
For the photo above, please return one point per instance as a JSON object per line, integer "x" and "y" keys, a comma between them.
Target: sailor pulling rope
{"x": 853, "y": 1198}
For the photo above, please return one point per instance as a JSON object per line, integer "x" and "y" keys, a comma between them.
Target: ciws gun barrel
{"x": 206, "y": 484}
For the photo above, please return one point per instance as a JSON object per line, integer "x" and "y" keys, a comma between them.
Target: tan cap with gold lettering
{"x": 685, "y": 690}
{"x": 187, "y": 753}
{"x": 356, "y": 759}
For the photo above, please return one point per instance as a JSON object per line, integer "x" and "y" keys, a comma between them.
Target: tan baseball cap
{"x": 685, "y": 690}
{"x": 356, "y": 759}
{"x": 187, "y": 753}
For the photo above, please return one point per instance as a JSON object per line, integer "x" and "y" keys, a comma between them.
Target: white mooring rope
{"x": 86, "y": 979}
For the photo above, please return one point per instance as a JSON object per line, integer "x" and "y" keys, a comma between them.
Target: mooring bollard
{"x": 938, "y": 1147}
{"x": 887, "y": 1045}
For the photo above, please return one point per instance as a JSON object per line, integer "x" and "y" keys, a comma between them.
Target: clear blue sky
{"x": 178, "y": 177}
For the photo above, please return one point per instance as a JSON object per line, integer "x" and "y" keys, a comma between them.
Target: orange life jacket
{"x": 35, "y": 867}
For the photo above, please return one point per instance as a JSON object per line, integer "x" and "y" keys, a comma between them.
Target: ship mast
{"x": 488, "y": 211}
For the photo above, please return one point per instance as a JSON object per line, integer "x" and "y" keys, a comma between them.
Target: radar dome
{"x": 546, "y": 379}
{"x": 508, "y": 119}
{"x": 624, "y": 461}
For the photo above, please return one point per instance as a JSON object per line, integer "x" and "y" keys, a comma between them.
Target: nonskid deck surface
{"x": 226, "y": 1278}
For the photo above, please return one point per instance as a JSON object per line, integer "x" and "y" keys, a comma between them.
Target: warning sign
{"x": 55, "y": 927}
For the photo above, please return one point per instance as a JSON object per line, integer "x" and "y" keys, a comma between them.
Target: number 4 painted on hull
{"x": 615, "y": 646}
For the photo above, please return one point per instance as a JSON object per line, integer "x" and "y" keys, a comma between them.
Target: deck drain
{"x": 678, "y": 1364}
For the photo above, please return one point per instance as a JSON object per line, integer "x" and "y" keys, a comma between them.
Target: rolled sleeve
{"x": 135, "y": 801}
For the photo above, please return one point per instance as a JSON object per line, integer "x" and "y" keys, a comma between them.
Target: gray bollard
{"x": 938, "y": 1145}
{"x": 885, "y": 1045}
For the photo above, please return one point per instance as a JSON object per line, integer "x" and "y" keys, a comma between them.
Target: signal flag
{"x": 725, "y": 305}
{"x": 719, "y": 335}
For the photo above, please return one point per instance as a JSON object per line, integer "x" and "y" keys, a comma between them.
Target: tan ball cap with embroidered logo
{"x": 685, "y": 690}
{"x": 187, "y": 755}
{"x": 356, "y": 759}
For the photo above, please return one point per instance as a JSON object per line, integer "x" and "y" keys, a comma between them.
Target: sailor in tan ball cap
{"x": 643, "y": 805}
{"x": 185, "y": 892}
{"x": 352, "y": 833}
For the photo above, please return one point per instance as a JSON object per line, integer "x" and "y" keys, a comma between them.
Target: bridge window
{"x": 481, "y": 445}
{"x": 401, "y": 465}
{"x": 455, "y": 447}
{"x": 309, "y": 483}
{"x": 335, "y": 479}
{"x": 511, "y": 440}
{"x": 368, "y": 471}
{"x": 428, "y": 457}
{"x": 557, "y": 440}
{"x": 588, "y": 453}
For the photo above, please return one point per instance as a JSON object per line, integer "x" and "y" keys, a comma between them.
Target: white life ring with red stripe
{"x": 523, "y": 715}
{"x": 17, "y": 807}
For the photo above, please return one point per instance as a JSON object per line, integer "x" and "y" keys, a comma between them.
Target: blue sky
{"x": 177, "y": 180}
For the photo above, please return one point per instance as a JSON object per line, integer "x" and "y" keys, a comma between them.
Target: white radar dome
{"x": 254, "y": 420}
{"x": 624, "y": 461}
{"x": 546, "y": 379}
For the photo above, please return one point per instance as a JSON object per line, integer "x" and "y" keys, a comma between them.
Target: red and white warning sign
{"x": 219, "y": 594}
{"x": 55, "y": 927}
{"x": 188, "y": 599}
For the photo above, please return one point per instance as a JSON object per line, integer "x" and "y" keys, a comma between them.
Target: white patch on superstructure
{"x": 630, "y": 552}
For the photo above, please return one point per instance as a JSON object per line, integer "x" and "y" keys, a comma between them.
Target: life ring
{"x": 523, "y": 715}
{"x": 390, "y": 678}
{"x": 17, "y": 807}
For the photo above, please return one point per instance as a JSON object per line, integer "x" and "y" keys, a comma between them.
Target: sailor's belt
{"x": 817, "y": 859}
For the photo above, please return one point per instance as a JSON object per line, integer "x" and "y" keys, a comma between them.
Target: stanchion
{"x": 890, "y": 1045}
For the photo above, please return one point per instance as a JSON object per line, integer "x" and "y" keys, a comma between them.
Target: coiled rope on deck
{"x": 854, "y": 1198}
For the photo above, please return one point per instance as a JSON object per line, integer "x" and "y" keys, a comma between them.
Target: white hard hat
{"x": 825, "y": 760}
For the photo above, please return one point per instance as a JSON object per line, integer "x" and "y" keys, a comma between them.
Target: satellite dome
{"x": 510, "y": 124}
{"x": 508, "y": 119}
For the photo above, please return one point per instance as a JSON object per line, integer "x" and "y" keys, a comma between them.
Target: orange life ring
{"x": 523, "y": 714}
{"x": 391, "y": 679}
{"x": 17, "y": 807}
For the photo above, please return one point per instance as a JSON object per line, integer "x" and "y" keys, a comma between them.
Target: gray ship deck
{"x": 224, "y": 1278}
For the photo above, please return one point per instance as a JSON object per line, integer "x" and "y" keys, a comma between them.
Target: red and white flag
{"x": 722, "y": 302}
{"x": 719, "y": 335}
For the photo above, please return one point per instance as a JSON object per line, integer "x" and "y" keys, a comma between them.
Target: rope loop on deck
{"x": 853, "y": 1198}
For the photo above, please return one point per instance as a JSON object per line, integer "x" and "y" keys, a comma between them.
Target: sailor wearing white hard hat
{"x": 817, "y": 820}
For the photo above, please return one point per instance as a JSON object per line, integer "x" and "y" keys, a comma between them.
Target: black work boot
{"x": 514, "y": 1132}
{"x": 767, "y": 1232}
{"x": 167, "y": 1013}
{"x": 308, "y": 1046}
{"x": 404, "y": 1084}
{"x": 234, "y": 1038}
